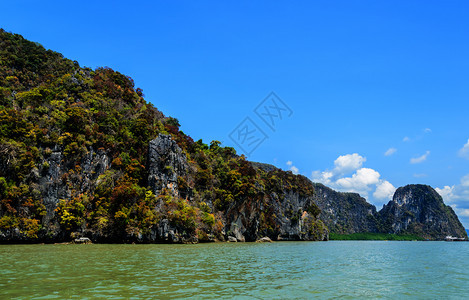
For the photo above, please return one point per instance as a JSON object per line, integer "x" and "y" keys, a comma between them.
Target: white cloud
{"x": 464, "y": 151}
{"x": 349, "y": 162}
{"x": 322, "y": 177}
{"x": 458, "y": 197}
{"x": 427, "y": 130}
{"x": 348, "y": 175}
{"x": 390, "y": 151}
{"x": 446, "y": 193}
{"x": 292, "y": 168}
{"x": 384, "y": 190}
{"x": 420, "y": 159}
{"x": 420, "y": 175}
{"x": 295, "y": 170}
{"x": 406, "y": 139}
{"x": 359, "y": 181}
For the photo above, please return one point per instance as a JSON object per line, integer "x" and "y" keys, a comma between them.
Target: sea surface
{"x": 281, "y": 270}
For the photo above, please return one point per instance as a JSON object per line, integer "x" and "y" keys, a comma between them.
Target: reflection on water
{"x": 280, "y": 270}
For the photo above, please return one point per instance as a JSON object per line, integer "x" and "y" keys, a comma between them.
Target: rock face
{"x": 282, "y": 214}
{"x": 279, "y": 215}
{"x": 345, "y": 213}
{"x": 169, "y": 234}
{"x": 166, "y": 163}
{"x": 52, "y": 182}
{"x": 288, "y": 217}
{"x": 415, "y": 209}
{"x": 419, "y": 209}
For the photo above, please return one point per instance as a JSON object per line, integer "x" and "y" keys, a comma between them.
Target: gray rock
{"x": 167, "y": 233}
{"x": 237, "y": 229}
{"x": 287, "y": 215}
{"x": 166, "y": 162}
{"x": 232, "y": 239}
{"x": 345, "y": 213}
{"x": 264, "y": 240}
{"x": 420, "y": 210}
{"x": 52, "y": 185}
{"x": 82, "y": 240}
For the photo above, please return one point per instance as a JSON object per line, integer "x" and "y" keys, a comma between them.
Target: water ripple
{"x": 288, "y": 270}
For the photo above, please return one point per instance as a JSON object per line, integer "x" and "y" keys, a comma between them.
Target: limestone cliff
{"x": 289, "y": 216}
{"x": 166, "y": 163}
{"x": 276, "y": 211}
{"x": 49, "y": 183}
{"x": 345, "y": 213}
{"x": 415, "y": 209}
{"x": 419, "y": 209}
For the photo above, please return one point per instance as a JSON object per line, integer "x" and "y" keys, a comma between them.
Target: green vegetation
{"x": 373, "y": 237}
{"x": 48, "y": 102}
{"x": 56, "y": 116}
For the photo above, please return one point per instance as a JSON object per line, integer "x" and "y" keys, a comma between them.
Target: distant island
{"x": 84, "y": 156}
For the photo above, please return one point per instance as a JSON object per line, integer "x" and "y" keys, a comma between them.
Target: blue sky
{"x": 361, "y": 78}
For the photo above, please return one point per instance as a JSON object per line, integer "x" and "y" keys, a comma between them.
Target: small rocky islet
{"x": 84, "y": 157}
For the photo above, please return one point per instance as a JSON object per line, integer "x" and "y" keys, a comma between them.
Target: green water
{"x": 336, "y": 269}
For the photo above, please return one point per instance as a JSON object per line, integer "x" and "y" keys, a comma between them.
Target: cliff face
{"x": 415, "y": 209}
{"x": 166, "y": 162}
{"x": 419, "y": 209}
{"x": 283, "y": 215}
{"x": 49, "y": 182}
{"x": 345, "y": 213}
{"x": 286, "y": 217}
